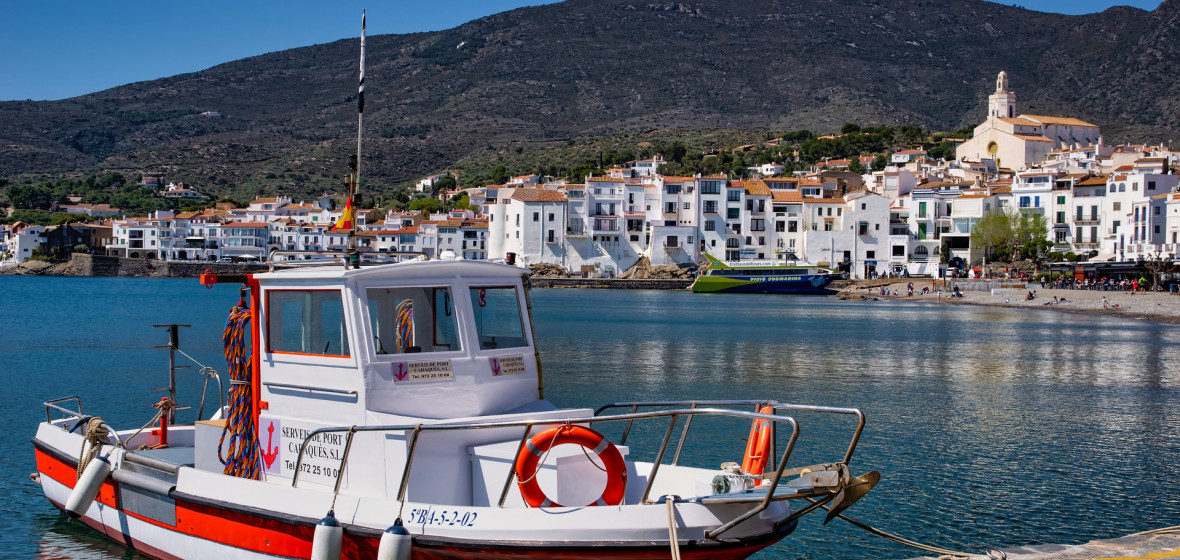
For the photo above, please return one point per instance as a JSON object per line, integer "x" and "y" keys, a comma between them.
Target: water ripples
{"x": 989, "y": 426}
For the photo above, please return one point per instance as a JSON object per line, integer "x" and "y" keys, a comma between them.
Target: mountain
{"x": 581, "y": 69}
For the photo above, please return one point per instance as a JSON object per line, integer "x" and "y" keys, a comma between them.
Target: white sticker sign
{"x": 279, "y": 441}
{"x": 507, "y": 365}
{"x": 409, "y": 372}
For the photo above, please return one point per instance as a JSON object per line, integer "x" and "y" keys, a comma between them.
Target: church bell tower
{"x": 1002, "y": 103}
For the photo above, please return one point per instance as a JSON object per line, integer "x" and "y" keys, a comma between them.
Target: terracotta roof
{"x": 477, "y": 225}
{"x": 756, "y": 188}
{"x": 1019, "y": 121}
{"x": 604, "y": 180}
{"x": 1032, "y": 138}
{"x": 264, "y": 201}
{"x": 787, "y": 196}
{"x": 782, "y": 182}
{"x": 823, "y": 201}
{"x": 674, "y": 179}
{"x": 538, "y": 195}
{"x": 247, "y": 224}
{"x": 1058, "y": 120}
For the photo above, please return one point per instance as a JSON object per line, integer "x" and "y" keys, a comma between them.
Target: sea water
{"x": 989, "y": 426}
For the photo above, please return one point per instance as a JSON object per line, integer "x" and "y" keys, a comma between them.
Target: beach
{"x": 1155, "y": 306}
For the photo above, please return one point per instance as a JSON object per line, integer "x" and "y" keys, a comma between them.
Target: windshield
{"x": 497, "y": 318}
{"x": 412, "y": 320}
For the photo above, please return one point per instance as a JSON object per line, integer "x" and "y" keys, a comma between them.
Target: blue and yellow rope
{"x": 242, "y": 458}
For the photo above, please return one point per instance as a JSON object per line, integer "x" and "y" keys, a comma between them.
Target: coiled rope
{"x": 241, "y": 459}
{"x": 405, "y": 325}
{"x": 97, "y": 433}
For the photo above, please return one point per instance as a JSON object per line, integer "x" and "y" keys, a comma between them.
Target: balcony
{"x": 1091, "y": 220}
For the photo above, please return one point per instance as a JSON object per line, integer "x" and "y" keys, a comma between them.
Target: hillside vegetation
{"x": 584, "y": 76}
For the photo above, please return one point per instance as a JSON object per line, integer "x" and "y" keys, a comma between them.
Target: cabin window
{"x": 497, "y": 318}
{"x": 306, "y": 322}
{"x": 413, "y": 320}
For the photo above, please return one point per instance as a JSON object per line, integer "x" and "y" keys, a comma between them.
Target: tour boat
{"x": 397, "y": 411}
{"x": 771, "y": 277}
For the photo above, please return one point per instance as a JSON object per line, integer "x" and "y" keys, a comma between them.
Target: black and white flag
{"x": 360, "y": 100}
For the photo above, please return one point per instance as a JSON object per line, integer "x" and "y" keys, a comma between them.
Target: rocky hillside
{"x": 538, "y": 77}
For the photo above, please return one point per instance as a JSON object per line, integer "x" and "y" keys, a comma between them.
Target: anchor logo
{"x": 402, "y": 371}
{"x": 270, "y": 454}
{"x": 495, "y": 365}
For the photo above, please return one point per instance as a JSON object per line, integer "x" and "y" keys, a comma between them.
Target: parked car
{"x": 225, "y": 260}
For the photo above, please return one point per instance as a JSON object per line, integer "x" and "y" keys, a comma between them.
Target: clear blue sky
{"x": 52, "y": 49}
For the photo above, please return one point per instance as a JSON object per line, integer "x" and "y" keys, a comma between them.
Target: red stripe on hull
{"x": 257, "y": 534}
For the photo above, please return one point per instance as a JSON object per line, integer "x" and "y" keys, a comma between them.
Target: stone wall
{"x": 98, "y": 265}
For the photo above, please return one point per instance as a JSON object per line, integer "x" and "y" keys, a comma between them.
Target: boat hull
{"x": 806, "y": 284}
{"x": 207, "y": 528}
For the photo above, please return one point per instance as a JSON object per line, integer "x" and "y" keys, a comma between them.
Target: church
{"x": 1018, "y": 141}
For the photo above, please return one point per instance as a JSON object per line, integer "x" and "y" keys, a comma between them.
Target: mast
{"x": 355, "y": 176}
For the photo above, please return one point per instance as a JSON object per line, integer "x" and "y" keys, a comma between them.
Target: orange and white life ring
{"x": 535, "y": 448}
{"x": 758, "y": 445}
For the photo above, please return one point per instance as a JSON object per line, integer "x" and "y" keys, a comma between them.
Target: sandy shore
{"x": 1133, "y": 305}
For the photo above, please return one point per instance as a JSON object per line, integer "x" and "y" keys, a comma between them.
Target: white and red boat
{"x": 412, "y": 393}
{"x": 396, "y": 411}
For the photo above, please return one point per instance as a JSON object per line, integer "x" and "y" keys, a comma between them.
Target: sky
{"x": 56, "y": 49}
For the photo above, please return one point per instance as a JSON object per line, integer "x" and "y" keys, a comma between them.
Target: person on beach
{"x": 1105, "y": 304}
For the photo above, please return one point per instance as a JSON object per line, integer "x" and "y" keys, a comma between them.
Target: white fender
{"x": 395, "y": 543}
{"x": 87, "y": 487}
{"x": 328, "y": 538}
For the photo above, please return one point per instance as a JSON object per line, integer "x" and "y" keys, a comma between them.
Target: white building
{"x": 1020, "y": 141}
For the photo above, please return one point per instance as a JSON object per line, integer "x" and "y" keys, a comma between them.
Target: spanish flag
{"x": 346, "y": 218}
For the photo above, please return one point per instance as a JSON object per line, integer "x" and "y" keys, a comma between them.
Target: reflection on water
{"x": 990, "y": 426}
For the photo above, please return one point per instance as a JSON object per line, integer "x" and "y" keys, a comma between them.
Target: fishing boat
{"x": 397, "y": 410}
{"x": 409, "y": 396}
{"x": 789, "y": 276}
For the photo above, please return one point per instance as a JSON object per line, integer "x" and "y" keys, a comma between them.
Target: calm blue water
{"x": 990, "y": 426}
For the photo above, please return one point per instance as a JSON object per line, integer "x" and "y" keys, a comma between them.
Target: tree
{"x": 427, "y": 205}
{"x": 1030, "y": 234}
{"x": 445, "y": 183}
{"x": 1012, "y": 236}
{"x": 879, "y": 163}
{"x": 849, "y": 128}
{"x": 461, "y": 201}
{"x": 855, "y": 166}
{"x": 499, "y": 175}
{"x": 31, "y": 197}
{"x": 994, "y": 233}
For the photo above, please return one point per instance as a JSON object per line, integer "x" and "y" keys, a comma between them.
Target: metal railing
{"x": 341, "y": 255}
{"x": 52, "y": 405}
{"x": 695, "y": 408}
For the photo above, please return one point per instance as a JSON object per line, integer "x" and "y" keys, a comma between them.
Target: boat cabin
{"x": 390, "y": 344}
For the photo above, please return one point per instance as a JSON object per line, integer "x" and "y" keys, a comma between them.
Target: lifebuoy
{"x": 758, "y": 445}
{"x": 535, "y": 448}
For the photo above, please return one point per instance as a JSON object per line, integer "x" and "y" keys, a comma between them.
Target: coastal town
{"x": 1101, "y": 205}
